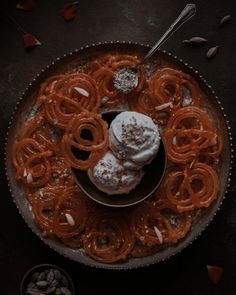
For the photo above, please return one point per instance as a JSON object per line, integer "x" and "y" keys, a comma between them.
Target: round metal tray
{"x": 73, "y": 61}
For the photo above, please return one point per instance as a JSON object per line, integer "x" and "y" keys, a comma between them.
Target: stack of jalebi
{"x": 195, "y": 186}
{"x": 38, "y": 129}
{"x": 73, "y": 138}
{"x": 63, "y": 96}
{"x": 60, "y": 210}
{"x": 31, "y": 161}
{"x": 190, "y": 133}
{"x": 157, "y": 223}
{"x": 108, "y": 237}
{"x": 168, "y": 90}
{"x": 68, "y": 131}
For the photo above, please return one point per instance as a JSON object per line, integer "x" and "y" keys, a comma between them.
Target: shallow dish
{"x": 41, "y": 268}
{"x": 73, "y": 61}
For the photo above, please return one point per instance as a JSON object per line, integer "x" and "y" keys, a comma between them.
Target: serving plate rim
{"x": 119, "y": 266}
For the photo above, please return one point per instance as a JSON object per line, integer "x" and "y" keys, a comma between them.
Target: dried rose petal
{"x": 26, "y": 5}
{"x": 30, "y": 40}
{"x": 69, "y": 11}
{"x": 214, "y": 273}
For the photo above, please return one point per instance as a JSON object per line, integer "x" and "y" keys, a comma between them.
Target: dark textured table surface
{"x": 105, "y": 20}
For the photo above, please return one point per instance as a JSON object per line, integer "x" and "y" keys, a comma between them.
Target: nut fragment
{"x": 64, "y": 281}
{"x": 50, "y": 276}
{"x": 42, "y": 284}
{"x": 212, "y": 52}
{"x": 65, "y": 291}
{"x": 50, "y": 290}
{"x": 225, "y": 20}
{"x": 42, "y": 276}
{"x": 57, "y": 274}
{"x": 54, "y": 283}
{"x": 58, "y": 291}
{"x": 195, "y": 41}
{"x": 33, "y": 291}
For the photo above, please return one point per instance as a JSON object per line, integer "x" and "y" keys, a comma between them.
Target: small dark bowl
{"x": 40, "y": 268}
{"x": 153, "y": 175}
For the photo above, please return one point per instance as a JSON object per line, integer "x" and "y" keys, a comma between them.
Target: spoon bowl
{"x": 126, "y": 79}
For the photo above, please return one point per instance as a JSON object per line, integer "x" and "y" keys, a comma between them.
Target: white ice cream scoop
{"x": 134, "y": 138}
{"x": 110, "y": 176}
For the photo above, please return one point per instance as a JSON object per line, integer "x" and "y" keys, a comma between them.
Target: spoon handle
{"x": 187, "y": 13}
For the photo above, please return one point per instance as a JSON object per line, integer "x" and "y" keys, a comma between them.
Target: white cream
{"x": 110, "y": 176}
{"x": 134, "y": 138}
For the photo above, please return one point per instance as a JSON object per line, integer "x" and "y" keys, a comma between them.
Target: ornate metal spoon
{"x": 126, "y": 79}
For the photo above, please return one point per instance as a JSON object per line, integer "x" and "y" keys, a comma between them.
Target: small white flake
{"x": 213, "y": 141}
{"x": 105, "y": 99}
{"x": 70, "y": 219}
{"x": 82, "y": 91}
{"x": 55, "y": 121}
{"x": 29, "y": 178}
{"x": 57, "y": 181}
{"x": 164, "y": 106}
{"x": 53, "y": 85}
{"x": 187, "y": 97}
{"x": 25, "y": 173}
{"x": 192, "y": 163}
{"x": 187, "y": 101}
{"x": 173, "y": 222}
{"x": 159, "y": 234}
{"x": 174, "y": 140}
{"x": 33, "y": 112}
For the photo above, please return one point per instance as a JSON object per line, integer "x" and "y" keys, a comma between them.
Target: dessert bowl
{"x": 73, "y": 61}
{"x": 153, "y": 175}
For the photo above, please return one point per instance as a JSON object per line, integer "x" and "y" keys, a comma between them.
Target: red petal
{"x": 26, "y": 5}
{"x": 30, "y": 40}
{"x": 214, "y": 273}
{"x": 69, "y": 11}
